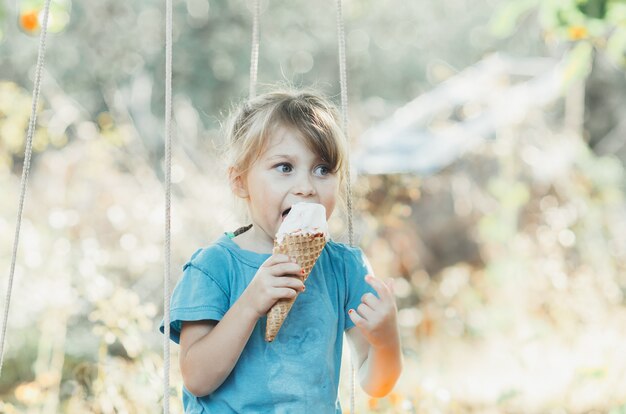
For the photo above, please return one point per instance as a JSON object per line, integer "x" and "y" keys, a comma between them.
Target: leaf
{"x": 616, "y": 12}
{"x": 504, "y": 21}
{"x": 577, "y": 63}
{"x": 616, "y": 46}
{"x": 593, "y": 8}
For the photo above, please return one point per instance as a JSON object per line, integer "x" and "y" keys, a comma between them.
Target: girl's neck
{"x": 255, "y": 240}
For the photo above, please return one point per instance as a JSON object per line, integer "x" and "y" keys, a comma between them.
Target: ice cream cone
{"x": 305, "y": 248}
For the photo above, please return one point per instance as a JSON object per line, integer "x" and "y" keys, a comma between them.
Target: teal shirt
{"x": 299, "y": 371}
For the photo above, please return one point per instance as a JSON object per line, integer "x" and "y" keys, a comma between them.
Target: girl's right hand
{"x": 277, "y": 278}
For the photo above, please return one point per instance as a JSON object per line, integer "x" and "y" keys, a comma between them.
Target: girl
{"x": 286, "y": 147}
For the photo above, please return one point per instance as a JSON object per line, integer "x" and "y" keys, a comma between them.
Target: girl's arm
{"x": 209, "y": 350}
{"x": 375, "y": 340}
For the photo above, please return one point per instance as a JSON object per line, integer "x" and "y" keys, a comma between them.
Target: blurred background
{"x": 488, "y": 157}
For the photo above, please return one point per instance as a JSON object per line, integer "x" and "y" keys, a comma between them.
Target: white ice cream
{"x": 304, "y": 218}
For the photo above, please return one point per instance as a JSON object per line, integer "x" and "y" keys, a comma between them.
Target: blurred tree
{"x": 592, "y": 34}
{"x": 93, "y": 227}
{"x": 110, "y": 53}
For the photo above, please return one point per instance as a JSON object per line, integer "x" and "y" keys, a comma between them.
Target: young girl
{"x": 286, "y": 147}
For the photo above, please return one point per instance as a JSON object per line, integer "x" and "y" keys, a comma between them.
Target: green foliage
{"x": 506, "y": 19}
{"x": 15, "y": 109}
{"x": 2, "y": 22}
{"x": 616, "y": 44}
{"x": 578, "y": 62}
{"x": 601, "y": 23}
{"x": 618, "y": 410}
{"x": 595, "y": 9}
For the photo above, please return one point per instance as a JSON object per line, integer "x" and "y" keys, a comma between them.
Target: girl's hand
{"x": 276, "y": 279}
{"x": 376, "y": 316}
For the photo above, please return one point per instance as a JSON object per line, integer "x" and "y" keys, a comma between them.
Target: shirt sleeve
{"x": 357, "y": 267}
{"x": 197, "y": 296}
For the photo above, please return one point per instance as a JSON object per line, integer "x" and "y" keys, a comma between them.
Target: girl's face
{"x": 287, "y": 172}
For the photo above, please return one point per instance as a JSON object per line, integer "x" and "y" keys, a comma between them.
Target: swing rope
{"x": 26, "y": 168}
{"x": 168, "y": 194}
{"x": 254, "y": 58}
{"x": 343, "y": 80}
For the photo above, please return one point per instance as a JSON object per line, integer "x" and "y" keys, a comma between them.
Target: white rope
{"x": 343, "y": 80}
{"x": 168, "y": 169}
{"x": 254, "y": 58}
{"x": 26, "y": 168}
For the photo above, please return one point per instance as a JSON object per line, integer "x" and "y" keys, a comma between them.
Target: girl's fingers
{"x": 286, "y": 293}
{"x": 360, "y": 315}
{"x": 389, "y": 282}
{"x": 370, "y": 300}
{"x": 356, "y": 318}
{"x": 277, "y": 259}
{"x": 295, "y": 283}
{"x": 366, "y": 312}
{"x": 384, "y": 293}
{"x": 286, "y": 281}
{"x": 286, "y": 269}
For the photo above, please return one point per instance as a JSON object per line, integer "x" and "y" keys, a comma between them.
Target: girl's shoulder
{"x": 224, "y": 253}
{"x": 209, "y": 256}
{"x": 344, "y": 253}
{"x": 342, "y": 248}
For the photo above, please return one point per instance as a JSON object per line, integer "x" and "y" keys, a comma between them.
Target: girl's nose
{"x": 304, "y": 187}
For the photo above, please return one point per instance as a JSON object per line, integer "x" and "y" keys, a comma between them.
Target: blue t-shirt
{"x": 299, "y": 371}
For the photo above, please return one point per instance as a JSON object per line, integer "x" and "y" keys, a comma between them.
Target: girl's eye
{"x": 322, "y": 170}
{"x": 283, "y": 167}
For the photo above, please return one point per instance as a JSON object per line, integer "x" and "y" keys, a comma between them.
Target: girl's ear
{"x": 237, "y": 183}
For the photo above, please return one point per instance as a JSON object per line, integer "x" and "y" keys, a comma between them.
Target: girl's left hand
{"x": 376, "y": 316}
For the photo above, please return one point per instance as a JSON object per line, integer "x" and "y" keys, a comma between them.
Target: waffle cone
{"x": 305, "y": 248}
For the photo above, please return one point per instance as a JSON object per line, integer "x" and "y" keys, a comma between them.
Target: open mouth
{"x": 286, "y": 212}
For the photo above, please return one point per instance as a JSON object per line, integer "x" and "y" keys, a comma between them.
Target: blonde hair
{"x": 306, "y": 112}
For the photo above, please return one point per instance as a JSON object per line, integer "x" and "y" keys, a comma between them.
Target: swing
{"x": 168, "y": 164}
